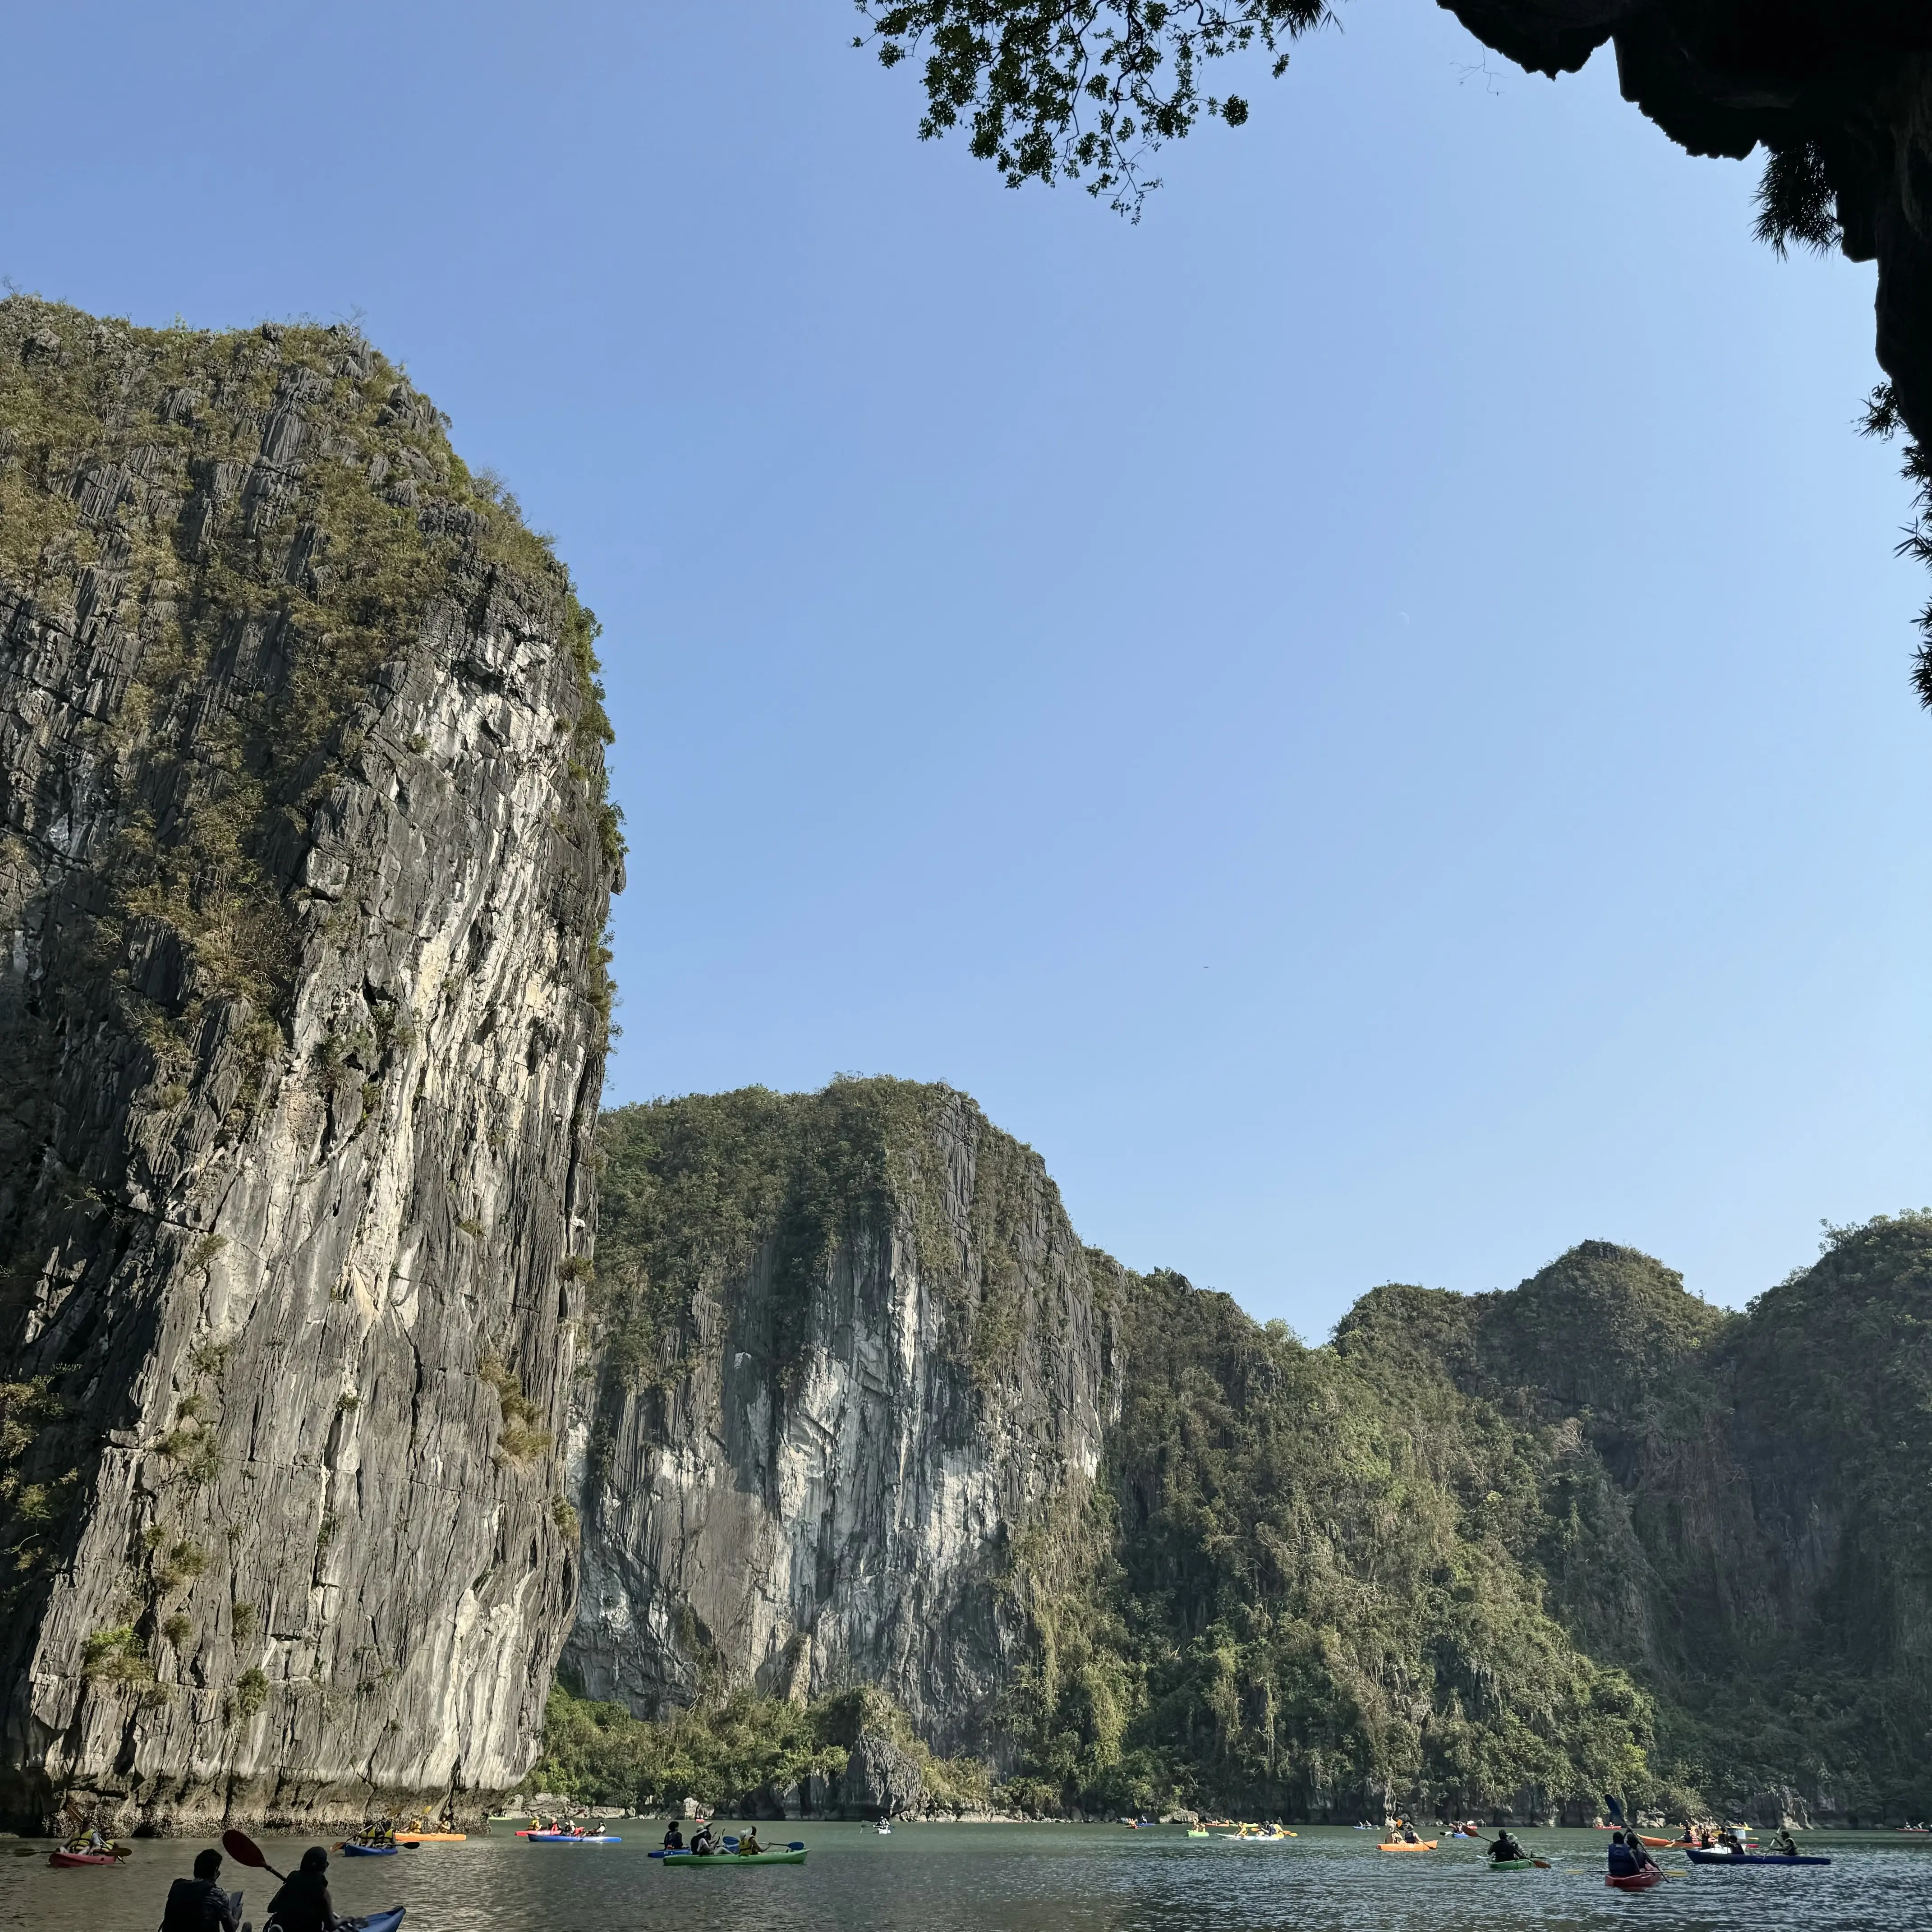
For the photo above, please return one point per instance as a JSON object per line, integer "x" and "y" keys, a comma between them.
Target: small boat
{"x": 571, "y": 1838}
{"x": 1512, "y": 1865}
{"x": 430, "y": 1837}
{"x": 60, "y": 1860}
{"x": 1199, "y": 1831}
{"x": 1635, "y": 1881}
{"x": 1699, "y": 1857}
{"x": 883, "y": 1829}
{"x": 351, "y": 1850}
{"x": 1421, "y": 1845}
{"x": 375, "y": 1921}
{"x": 791, "y": 1855}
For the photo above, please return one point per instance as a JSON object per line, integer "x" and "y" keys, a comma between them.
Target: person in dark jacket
{"x": 674, "y": 1838}
{"x": 1505, "y": 1849}
{"x": 199, "y": 1904}
{"x": 303, "y": 1904}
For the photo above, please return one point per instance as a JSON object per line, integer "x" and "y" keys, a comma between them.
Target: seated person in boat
{"x": 674, "y": 1838}
{"x": 1408, "y": 1836}
{"x": 1728, "y": 1840}
{"x": 303, "y": 1904}
{"x": 1784, "y": 1844}
{"x": 702, "y": 1842}
{"x": 748, "y": 1846}
{"x": 199, "y": 1904}
{"x": 1505, "y": 1846}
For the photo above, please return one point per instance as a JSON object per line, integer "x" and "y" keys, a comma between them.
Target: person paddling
{"x": 702, "y": 1844}
{"x": 199, "y": 1904}
{"x": 303, "y": 1904}
{"x": 674, "y": 1838}
{"x": 1505, "y": 1849}
{"x": 1784, "y": 1844}
{"x": 748, "y": 1846}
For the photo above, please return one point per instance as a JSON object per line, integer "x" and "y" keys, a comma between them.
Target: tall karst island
{"x": 304, "y": 876}
{"x": 378, "y": 1427}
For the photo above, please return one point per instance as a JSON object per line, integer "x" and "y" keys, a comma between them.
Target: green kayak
{"x": 689, "y": 1860}
{"x": 1512, "y": 1865}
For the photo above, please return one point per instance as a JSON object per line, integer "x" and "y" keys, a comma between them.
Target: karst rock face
{"x": 879, "y": 1401}
{"x": 304, "y": 870}
{"x": 1847, "y": 84}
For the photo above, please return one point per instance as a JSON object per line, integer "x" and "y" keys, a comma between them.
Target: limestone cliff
{"x": 853, "y": 1373}
{"x": 304, "y": 873}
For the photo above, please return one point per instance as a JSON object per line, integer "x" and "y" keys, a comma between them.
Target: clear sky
{"x": 1366, "y": 717}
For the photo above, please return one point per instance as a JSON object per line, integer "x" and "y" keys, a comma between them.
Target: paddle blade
{"x": 243, "y": 1849}
{"x": 796, "y": 1845}
{"x": 1543, "y": 1864}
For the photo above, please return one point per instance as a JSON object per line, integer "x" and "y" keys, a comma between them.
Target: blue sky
{"x": 1365, "y": 717}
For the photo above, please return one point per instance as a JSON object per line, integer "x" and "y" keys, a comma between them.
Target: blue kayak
{"x": 1703, "y": 1857}
{"x": 352, "y": 1851}
{"x": 375, "y": 1921}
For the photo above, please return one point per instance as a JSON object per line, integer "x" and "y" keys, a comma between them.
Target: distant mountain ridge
{"x": 1501, "y": 1552}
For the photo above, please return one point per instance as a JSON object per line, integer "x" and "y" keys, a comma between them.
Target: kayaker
{"x": 674, "y": 1838}
{"x": 1784, "y": 1844}
{"x": 1623, "y": 1859}
{"x": 1505, "y": 1848}
{"x": 1728, "y": 1840}
{"x": 702, "y": 1844}
{"x": 1408, "y": 1836}
{"x": 748, "y": 1846}
{"x": 199, "y": 1904}
{"x": 303, "y": 1904}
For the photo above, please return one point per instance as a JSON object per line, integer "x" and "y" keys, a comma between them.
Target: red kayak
{"x": 82, "y": 1858}
{"x": 1635, "y": 1881}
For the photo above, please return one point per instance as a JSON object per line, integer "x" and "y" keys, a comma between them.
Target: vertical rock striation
{"x": 852, "y": 1372}
{"x": 304, "y": 872}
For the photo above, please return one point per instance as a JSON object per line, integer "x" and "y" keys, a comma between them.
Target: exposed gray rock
{"x": 302, "y": 1013}
{"x": 836, "y": 1487}
{"x": 880, "y": 1781}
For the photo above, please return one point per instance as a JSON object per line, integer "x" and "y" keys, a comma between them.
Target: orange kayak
{"x": 1426, "y": 1845}
{"x": 432, "y": 1838}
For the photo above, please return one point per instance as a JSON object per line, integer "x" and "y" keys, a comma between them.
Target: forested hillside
{"x": 1503, "y": 1552}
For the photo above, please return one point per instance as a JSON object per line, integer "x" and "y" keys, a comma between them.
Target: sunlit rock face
{"x": 861, "y": 1428}
{"x": 304, "y": 867}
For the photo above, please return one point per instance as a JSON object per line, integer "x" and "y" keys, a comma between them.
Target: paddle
{"x": 244, "y": 1850}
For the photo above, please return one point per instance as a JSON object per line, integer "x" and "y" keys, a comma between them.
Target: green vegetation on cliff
{"x": 1505, "y": 1552}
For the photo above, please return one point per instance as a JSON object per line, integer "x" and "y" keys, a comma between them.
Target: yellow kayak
{"x": 430, "y": 1837}
{"x": 1425, "y": 1845}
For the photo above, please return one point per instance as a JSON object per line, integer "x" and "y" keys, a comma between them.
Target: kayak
{"x": 1512, "y": 1865}
{"x": 1426, "y": 1845}
{"x": 61, "y": 1859}
{"x": 1702, "y": 1857}
{"x": 787, "y": 1857}
{"x": 570, "y": 1837}
{"x": 1636, "y": 1881}
{"x": 375, "y": 1921}
{"x": 430, "y": 1837}
{"x": 352, "y": 1851}
{"x": 1657, "y": 1844}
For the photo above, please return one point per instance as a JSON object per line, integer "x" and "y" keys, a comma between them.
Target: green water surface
{"x": 1016, "y": 1878}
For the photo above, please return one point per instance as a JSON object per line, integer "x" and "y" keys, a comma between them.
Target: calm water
{"x": 1015, "y": 1878}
